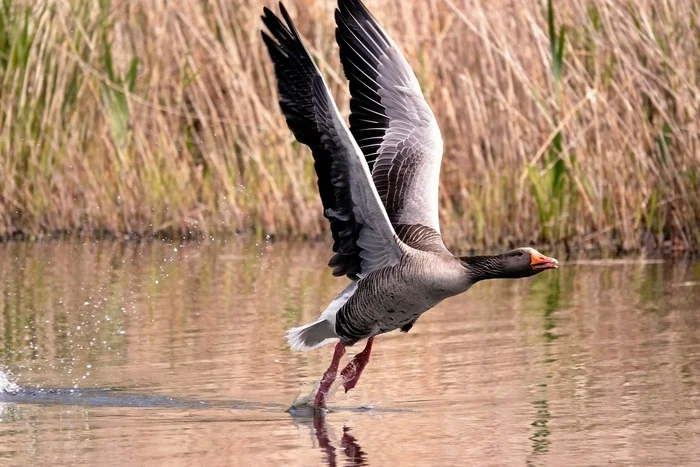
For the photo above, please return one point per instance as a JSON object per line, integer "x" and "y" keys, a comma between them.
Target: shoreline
{"x": 572, "y": 249}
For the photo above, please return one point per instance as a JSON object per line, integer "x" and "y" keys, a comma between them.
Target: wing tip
{"x": 354, "y": 6}
{"x": 274, "y": 24}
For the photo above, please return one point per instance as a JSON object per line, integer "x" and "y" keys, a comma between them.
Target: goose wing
{"x": 364, "y": 239}
{"x": 393, "y": 126}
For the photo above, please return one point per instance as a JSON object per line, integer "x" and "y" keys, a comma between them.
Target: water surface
{"x": 157, "y": 353}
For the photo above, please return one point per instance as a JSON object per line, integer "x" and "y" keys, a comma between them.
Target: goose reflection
{"x": 347, "y": 448}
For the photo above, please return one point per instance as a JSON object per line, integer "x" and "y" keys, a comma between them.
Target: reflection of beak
{"x": 541, "y": 262}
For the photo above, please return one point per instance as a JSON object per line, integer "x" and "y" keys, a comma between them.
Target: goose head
{"x": 526, "y": 262}
{"x": 514, "y": 264}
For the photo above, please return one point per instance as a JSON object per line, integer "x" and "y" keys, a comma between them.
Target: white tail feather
{"x": 322, "y": 331}
{"x": 311, "y": 336}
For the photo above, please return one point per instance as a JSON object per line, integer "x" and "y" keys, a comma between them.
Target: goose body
{"x": 378, "y": 181}
{"x": 394, "y": 297}
{"x": 384, "y": 300}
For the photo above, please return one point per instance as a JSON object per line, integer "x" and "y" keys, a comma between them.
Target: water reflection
{"x": 345, "y": 451}
{"x": 540, "y": 438}
{"x": 597, "y": 358}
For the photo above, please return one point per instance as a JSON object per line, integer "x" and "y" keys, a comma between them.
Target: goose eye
{"x": 520, "y": 253}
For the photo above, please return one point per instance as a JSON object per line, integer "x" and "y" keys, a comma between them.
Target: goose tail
{"x": 311, "y": 336}
{"x": 322, "y": 331}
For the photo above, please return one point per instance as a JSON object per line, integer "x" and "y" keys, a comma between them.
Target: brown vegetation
{"x": 578, "y": 123}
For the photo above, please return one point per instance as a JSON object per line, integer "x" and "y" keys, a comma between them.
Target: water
{"x": 174, "y": 354}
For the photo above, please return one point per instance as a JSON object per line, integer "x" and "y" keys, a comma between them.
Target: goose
{"x": 378, "y": 180}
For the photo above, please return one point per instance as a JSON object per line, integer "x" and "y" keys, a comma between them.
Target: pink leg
{"x": 329, "y": 377}
{"x": 351, "y": 373}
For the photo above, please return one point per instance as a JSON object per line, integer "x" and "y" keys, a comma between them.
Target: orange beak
{"x": 540, "y": 262}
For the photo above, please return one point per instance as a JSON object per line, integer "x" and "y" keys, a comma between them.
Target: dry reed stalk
{"x": 155, "y": 117}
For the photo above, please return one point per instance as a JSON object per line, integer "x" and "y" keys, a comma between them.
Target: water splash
{"x": 7, "y": 385}
{"x": 304, "y": 400}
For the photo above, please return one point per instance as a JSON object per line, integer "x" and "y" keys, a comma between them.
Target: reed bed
{"x": 572, "y": 122}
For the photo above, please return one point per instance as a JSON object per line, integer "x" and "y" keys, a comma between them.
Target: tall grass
{"x": 565, "y": 122}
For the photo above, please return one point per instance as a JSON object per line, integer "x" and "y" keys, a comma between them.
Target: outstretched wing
{"x": 364, "y": 238}
{"x": 393, "y": 126}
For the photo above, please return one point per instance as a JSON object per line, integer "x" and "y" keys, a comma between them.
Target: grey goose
{"x": 378, "y": 181}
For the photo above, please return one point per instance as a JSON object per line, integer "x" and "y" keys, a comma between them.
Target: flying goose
{"x": 378, "y": 182}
